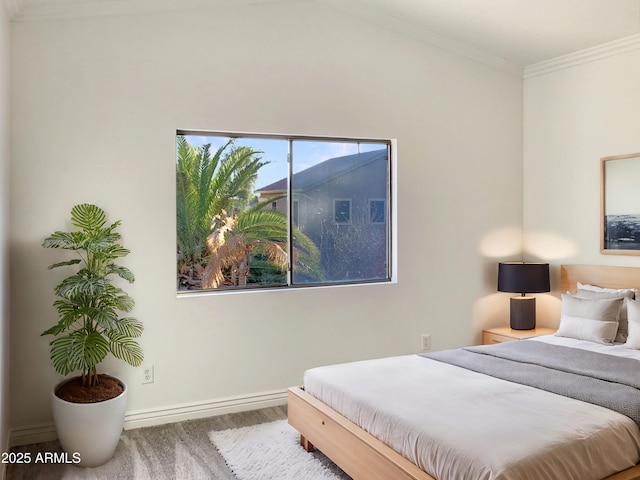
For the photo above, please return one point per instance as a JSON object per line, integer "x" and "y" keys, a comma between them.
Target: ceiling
{"x": 521, "y": 32}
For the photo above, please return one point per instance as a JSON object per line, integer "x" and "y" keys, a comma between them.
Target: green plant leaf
{"x": 57, "y": 329}
{"x": 75, "y": 261}
{"x": 88, "y": 217}
{"x": 114, "y": 251}
{"x": 65, "y": 240}
{"x": 78, "y": 351}
{"x": 129, "y": 326}
{"x": 126, "y": 349}
{"x": 122, "y": 272}
{"x": 81, "y": 284}
{"x": 104, "y": 319}
{"x": 125, "y": 303}
{"x": 88, "y": 350}
{"x": 62, "y": 361}
{"x": 69, "y": 313}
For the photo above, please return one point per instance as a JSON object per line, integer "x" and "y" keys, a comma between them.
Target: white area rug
{"x": 269, "y": 451}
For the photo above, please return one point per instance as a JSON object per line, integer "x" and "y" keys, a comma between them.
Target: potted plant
{"x": 89, "y": 409}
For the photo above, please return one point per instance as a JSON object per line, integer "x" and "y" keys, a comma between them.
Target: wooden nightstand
{"x": 506, "y": 334}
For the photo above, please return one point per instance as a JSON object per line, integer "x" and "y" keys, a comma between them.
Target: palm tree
{"x": 237, "y": 243}
{"x": 220, "y": 237}
{"x": 234, "y": 239}
{"x": 207, "y": 184}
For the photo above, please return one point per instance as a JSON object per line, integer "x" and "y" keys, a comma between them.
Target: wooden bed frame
{"x": 364, "y": 457}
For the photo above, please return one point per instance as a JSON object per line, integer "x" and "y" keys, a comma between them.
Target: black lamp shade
{"x": 519, "y": 277}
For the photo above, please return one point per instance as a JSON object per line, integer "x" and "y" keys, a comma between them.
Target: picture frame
{"x": 620, "y": 205}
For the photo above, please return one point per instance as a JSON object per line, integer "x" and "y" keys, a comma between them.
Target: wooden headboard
{"x": 600, "y": 275}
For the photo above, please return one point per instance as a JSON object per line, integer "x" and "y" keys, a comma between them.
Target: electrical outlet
{"x": 147, "y": 374}
{"x": 426, "y": 341}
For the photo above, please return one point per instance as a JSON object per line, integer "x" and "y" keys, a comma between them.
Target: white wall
{"x": 574, "y": 116}
{"x": 96, "y": 106}
{"x": 4, "y": 232}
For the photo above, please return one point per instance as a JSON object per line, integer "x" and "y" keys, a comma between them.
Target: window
{"x": 342, "y": 211}
{"x": 270, "y": 211}
{"x": 376, "y": 210}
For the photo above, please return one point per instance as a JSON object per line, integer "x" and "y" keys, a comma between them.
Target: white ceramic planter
{"x": 91, "y": 430}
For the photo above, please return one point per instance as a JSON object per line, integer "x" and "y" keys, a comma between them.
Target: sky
{"x": 307, "y": 153}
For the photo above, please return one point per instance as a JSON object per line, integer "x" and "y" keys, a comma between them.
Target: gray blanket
{"x": 605, "y": 380}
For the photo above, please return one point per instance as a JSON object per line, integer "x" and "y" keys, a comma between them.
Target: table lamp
{"x": 523, "y": 278}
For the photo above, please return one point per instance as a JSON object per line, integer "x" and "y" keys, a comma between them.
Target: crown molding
{"x": 605, "y": 50}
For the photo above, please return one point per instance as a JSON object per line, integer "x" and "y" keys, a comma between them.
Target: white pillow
{"x": 633, "y": 339}
{"x": 627, "y": 294}
{"x": 595, "y": 288}
{"x": 591, "y": 319}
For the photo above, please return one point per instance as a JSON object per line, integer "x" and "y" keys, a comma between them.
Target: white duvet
{"x": 456, "y": 424}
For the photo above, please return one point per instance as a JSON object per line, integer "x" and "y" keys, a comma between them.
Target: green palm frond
{"x": 124, "y": 303}
{"x": 129, "y": 327}
{"x": 78, "y": 351}
{"x": 62, "y": 360}
{"x": 65, "y": 240}
{"x": 104, "y": 319}
{"x": 112, "y": 251}
{"x": 74, "y": 286}
{"x": 74, "y": 261}
{"x": 124, "y": 348}
{"x": 88, "y": 217}
{"x": 239, "y": 172}
{"x": 69, "y": 313}
{"x": 307, "y": 259}
{"x": 122, "y": 272}
{"x": 263, "y": 224}
{"x": 90, "y": 349}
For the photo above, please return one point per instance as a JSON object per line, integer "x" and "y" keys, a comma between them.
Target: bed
{"x": 544, "y": 434}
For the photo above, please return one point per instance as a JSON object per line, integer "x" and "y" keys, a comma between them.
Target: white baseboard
{"x": 210, "y": 408}
{"x": 44, "y": 432}
{"x": 163, "y": 415}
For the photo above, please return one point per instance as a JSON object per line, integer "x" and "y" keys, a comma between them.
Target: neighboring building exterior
{"x": 342, "y": 205}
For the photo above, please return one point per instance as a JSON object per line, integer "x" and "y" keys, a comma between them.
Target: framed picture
{"x": 620, "y": 205}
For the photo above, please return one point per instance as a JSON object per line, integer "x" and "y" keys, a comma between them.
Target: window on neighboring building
{"x": 270, "y": 211}
{"x": 342, "y": 211}
{"x": 376, "y": 210}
